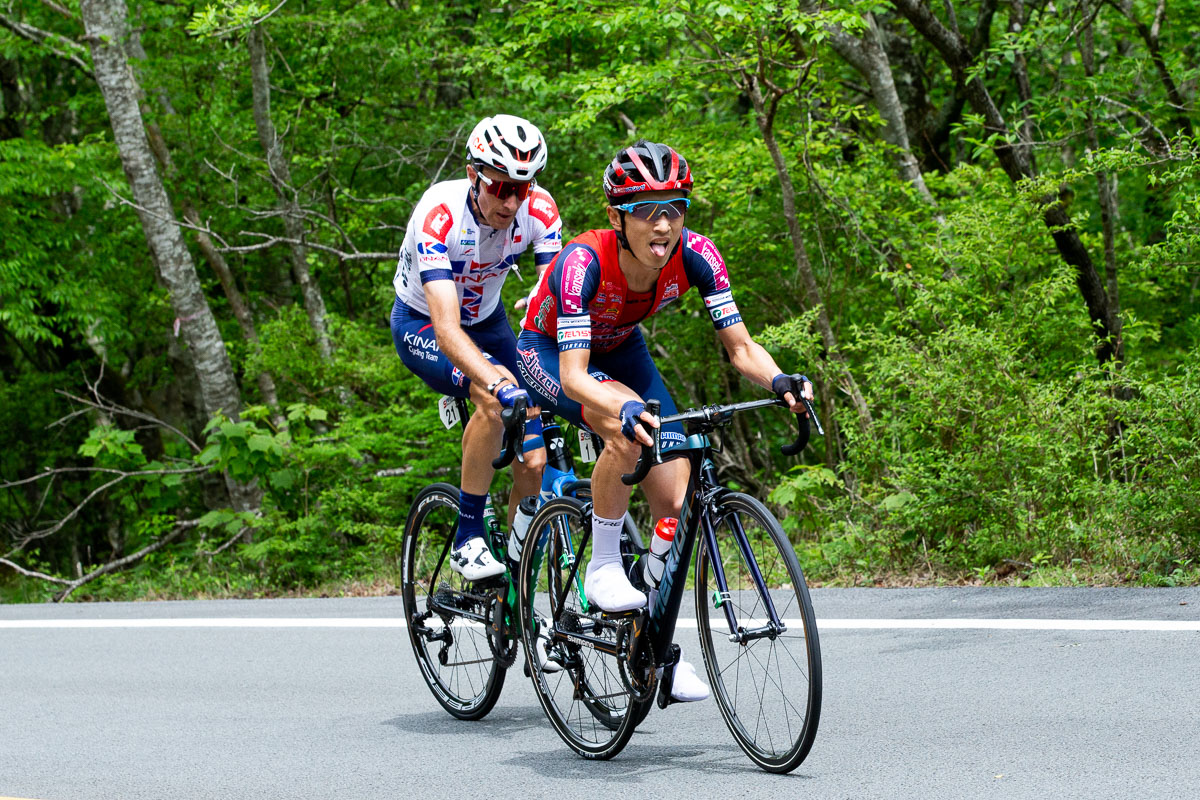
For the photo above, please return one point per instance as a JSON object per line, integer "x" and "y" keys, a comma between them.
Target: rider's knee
{"x": 625, "y": 451}
{"x": 535, "y": 461}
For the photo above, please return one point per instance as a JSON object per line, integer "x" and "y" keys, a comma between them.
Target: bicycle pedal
{"x": 618, "y": 616}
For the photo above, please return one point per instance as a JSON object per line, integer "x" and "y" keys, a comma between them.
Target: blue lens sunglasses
{"x": 651, "y": 209}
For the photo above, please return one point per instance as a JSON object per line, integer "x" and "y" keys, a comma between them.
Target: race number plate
{"x": 448, "y": 411}
{"x": 587, "y": 448}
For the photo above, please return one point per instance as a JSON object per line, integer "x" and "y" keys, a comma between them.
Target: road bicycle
{"x": 758, "y": 632}
{"x": 463, "y": 633}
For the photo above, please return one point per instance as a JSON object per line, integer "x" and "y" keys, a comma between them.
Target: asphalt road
{"x": 289, "y": 708}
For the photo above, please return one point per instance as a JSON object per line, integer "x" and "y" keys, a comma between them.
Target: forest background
{"x": 975, "y": 225}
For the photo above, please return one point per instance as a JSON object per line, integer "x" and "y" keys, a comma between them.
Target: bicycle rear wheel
{"x": 587, "y": 702}
{"x": 768, "y": 686}
{"x": 444, "y": 611}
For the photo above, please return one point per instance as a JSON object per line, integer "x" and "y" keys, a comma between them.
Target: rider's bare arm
{"x": 463, "y": 353}
{"x": 753, "y": 361}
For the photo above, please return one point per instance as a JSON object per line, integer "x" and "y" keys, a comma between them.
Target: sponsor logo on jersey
{"x": 670, "y": 294}
{"x": 703, "y": 246}
{"x": 610, "y": 313}
{"x": 718, "y": 299}
{"x": 574, "y": 334}
{"x": 414, "y": 340}
{"x": 539, "y": 321}
{"x": 574, "y": 270}
{"x": 437, "y": 222}
{"x": 726, "y": 311}
{"x": 466, "y": 242}
{"x": 457, "y": 376}
{"x": 574, "y": 322}
{"x": 535, "y": 375}
{"x": 430, "y": 248}
{"x": 542, "y": 208}
{"x": 721, "y": 306}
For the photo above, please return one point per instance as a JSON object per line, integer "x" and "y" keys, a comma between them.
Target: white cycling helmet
{"x": 509, "y": 144}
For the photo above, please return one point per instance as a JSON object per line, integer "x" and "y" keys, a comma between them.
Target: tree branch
{"x": 113, "y": 566}
{"x": 113, "y": 408}
{"x": 39, "y": 36}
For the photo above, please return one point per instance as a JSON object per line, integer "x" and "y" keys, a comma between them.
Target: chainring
{"x": 636, "y": 662}
{"x": 500, "y": 641}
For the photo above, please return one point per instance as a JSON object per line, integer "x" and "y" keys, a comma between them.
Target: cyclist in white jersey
{"x": 448, "y": 323}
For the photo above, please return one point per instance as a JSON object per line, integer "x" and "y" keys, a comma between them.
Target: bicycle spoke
{"x": 469, "y": 683}
{"x": 587, "y": 702}
{"x": 765, "y": 685}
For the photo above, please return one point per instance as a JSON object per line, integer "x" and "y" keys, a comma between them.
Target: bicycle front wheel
{"x": 445, "y": 613}
{"x": 767, "y": 681}
{"x": 583, "y": 694}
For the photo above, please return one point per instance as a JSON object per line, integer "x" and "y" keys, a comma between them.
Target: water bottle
{"x": 520, "y": 528}
{"x": 660, "y": 544}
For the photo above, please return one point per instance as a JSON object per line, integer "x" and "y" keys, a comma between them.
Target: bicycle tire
{"x": 594, "y": 721}
{"x": 768, "y": 689}
{"x": 468, "y": 684}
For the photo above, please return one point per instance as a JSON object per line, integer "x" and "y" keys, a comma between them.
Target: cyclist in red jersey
{"x": 582, "y": 354}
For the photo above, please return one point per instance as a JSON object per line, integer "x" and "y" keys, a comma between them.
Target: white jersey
{"x": 446, "y": 242}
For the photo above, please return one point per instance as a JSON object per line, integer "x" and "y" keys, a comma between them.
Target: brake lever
{"x": 513, "y": 419}
{"x": 651, "y": 453}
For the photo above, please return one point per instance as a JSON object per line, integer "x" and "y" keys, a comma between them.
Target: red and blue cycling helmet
{"x": 646, "y": 167}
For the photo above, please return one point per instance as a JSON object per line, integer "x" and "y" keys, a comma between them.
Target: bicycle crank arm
{"x": 582, "y": 639}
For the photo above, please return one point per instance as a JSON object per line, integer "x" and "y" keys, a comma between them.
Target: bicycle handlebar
{"x": 651, "y": 454}
{"x": 513, "y": 419}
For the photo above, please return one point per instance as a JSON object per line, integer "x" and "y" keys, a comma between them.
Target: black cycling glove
{"x": 782, "y": 384}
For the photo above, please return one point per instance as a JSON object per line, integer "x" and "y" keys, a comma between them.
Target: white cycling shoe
{"x": 687, "y": 686}
{"x": 608, "y": 587}
{"x": 474, "y": 560}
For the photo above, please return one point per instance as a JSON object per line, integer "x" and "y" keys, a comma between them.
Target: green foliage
{"x": 998, "y": 448}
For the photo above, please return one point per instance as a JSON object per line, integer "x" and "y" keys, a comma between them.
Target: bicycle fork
{"x": 722, "y": 596}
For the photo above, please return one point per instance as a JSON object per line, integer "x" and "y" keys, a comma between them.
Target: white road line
{"x": 961, "y": 623}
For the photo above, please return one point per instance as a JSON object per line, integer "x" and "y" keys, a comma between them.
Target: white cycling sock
{"x": 606, "y": 541}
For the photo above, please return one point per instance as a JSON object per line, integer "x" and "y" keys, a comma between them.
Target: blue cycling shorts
{"x": 630, "y": 363}
{"x": 413, "y": 335}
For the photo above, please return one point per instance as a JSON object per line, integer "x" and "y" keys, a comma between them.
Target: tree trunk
{"x": 281, "y": 179}
{"x": 766, "y": 121}
{"x": 868, "y": 57}
{"x": 1016, "y": 23}
{"x": 241, "y": 311}
{"x": 958, "y": 56}
{"x": 1106, "y": 186}
{"x": 105, "y": 23}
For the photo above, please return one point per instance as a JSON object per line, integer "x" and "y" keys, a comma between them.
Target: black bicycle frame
{"x": 697, "y": 515}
